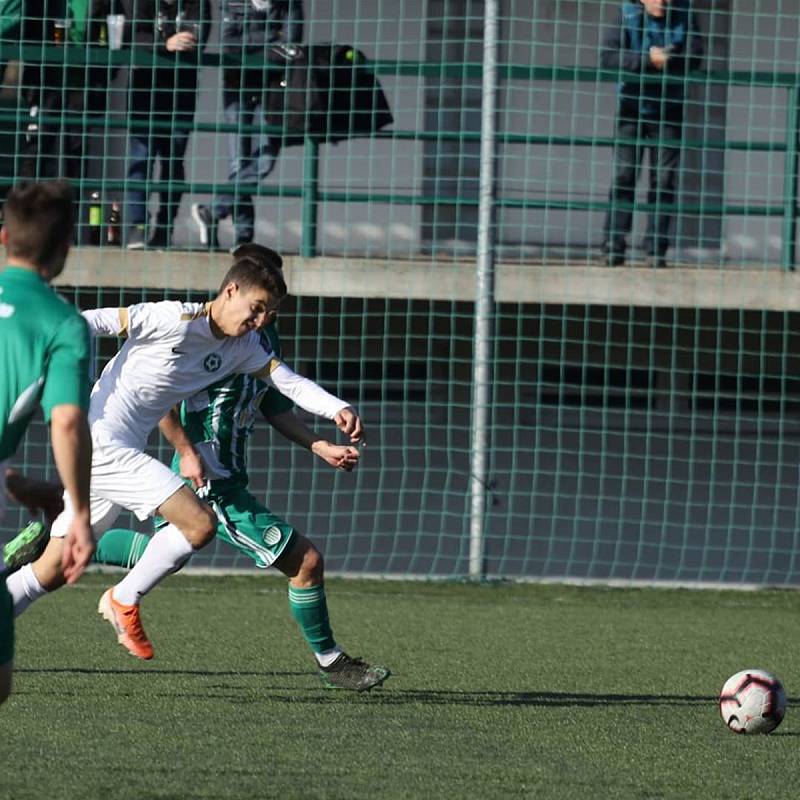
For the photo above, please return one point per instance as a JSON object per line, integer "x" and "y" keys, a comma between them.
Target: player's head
{"x": 250, "y": 291}
{"x": 655, "y": 8}
{"x": 37, "y": 226}
{"x": 263, "y": 255}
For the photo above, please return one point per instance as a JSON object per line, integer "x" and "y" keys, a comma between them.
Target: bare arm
{"x": 290, "y": 426}
{"x": 72, "y": 451}
{"x": 191, "y": 465}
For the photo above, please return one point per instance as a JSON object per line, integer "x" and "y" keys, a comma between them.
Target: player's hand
{"x": 79, "y": 545}
{"x": 347, "y": 421}
{"x": 658, "y": 57}
{"x": 181, "y": 42}
{"x": 35, "y": 495}
{"x": 191, "y": 466}
{"x": 336, "y": 455}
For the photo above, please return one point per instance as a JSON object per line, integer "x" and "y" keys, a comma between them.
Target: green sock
{"x": 309, "y": 608}
{"x": 120, "y": 548}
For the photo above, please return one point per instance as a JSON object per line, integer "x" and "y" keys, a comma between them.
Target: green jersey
{"x": 44, "y": 354}
{"x": 219, "y": 419}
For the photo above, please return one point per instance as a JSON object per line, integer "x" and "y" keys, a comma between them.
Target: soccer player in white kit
{"x": 173, "y": 350}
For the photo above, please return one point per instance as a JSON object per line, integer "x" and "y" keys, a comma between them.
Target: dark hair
{"x": 38, "y": 218}
{"x": 259, "y": 253}
{"x": 248, "y": 272}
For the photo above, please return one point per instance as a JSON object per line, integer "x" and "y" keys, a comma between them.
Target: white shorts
{"x": 122, "y": 478}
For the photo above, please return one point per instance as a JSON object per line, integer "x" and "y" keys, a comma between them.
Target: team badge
{"x": 272, "y": 536}
{"x": 212, "y": 362}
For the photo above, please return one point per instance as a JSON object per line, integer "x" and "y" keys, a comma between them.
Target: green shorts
{"x": 6, "y": 625}
{"x": 247, "y": 524}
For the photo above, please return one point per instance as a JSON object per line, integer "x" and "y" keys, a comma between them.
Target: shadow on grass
{"x": 386, "y": 696}
{"x": 145, "y": 670}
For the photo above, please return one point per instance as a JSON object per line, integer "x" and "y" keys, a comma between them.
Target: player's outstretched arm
{"x": 191, "y": 465}
{"x": 72, "y": 451}
{"x": 291, "y": 427}
{"x": 106, "y": 321}
{"x": 313, "y": 398}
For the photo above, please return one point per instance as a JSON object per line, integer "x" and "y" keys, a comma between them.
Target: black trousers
{"x": 45, "y": 143}
{"x": 660, "y": 139}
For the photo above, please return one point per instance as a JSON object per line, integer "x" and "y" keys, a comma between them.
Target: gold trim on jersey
{"x": 205, "y": 311}
{"x": 123, "y": 321}
{"x": 268, "y": 368}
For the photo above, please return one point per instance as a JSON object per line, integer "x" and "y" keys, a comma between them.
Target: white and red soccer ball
{"x": 752, "y": 701}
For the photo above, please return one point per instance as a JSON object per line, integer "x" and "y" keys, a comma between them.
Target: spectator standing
{"x": 651, "y": 38}
{"x": 248, "y": 28}
{"x": 51, "y": 90}
{"x": 163, "y": 96}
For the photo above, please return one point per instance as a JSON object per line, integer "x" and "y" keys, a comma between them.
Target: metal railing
{"x": 312, "y": 195}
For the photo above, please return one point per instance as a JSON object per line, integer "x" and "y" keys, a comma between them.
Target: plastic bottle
{"x": 95, "y": 219}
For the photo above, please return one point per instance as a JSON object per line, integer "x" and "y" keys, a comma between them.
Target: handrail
{"x": 312, "y": 195}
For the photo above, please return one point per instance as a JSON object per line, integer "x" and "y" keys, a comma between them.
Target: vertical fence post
{"x": 485, "y": 300}
{"x": 308, "y": 244}
{"x": 789, "y": 231}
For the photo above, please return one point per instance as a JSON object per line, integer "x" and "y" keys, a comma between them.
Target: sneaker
{"x": 206, "y": 225}
{"x": 126, "y": 622}
{"x": 352, "y": 673}
{"x": 26, "y": 546}
{"x": 135, "y": 237}
{"x": 612, "y": 259}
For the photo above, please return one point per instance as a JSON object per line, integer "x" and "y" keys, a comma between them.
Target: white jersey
{"x": 170, "y": 354}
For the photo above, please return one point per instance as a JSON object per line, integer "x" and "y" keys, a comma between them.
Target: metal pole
{"x": 308, "y": 244}
{"x": 485, "y": 299}
{"x": 789, "y": 231}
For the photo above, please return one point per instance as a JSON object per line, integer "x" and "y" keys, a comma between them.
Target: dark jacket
{"x": 87, "y": 28}
{"x": 626, "y": 47}
{"x": 249, "y": 27}
{"x": 170, "y": 87}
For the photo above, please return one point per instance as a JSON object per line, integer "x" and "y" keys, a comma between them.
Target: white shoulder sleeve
{"x": 305, "y": 393}
{"x": 106, "y": 321}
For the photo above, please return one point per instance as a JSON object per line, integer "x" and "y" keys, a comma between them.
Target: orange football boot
{"x": 127, "y": 624}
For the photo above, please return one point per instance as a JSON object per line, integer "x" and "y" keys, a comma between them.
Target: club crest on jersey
{"x": 272, "y": 536}
{"x": 212, "y": 362}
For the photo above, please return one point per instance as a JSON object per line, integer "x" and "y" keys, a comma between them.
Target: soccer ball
{"x": 752, "y": 701}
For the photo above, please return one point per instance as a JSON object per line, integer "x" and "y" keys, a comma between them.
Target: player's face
{"x": 247, "y": 310}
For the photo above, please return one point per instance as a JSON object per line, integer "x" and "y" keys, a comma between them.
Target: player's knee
{"x": 312, "y": 566}
{"x": 203, "y": 530}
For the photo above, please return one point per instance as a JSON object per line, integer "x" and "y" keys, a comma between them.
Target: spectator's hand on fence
{"x": 659, "y": 57}
{"x": 181, "y": 42}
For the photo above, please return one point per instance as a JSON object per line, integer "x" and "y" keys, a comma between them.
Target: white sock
{"x": 327, "y": 657}
{"x": 167, "y": 552}
{"x": 24, "y": 588}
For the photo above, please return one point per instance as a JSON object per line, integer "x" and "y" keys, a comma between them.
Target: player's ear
{"x": 271, "y": 317}
{"x": 4, "y": 236}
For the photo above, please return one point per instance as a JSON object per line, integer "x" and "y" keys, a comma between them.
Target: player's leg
{"x": 302, "y": 563}
{"x": 6, "y": 642}
{"x": 192, "y": 526}
{"x": 120, "y": 547}
{"x": 254, "y": 530}
{"x": 44, "y": 575}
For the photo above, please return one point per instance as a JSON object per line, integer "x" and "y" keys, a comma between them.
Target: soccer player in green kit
{"x": 44, "y": 362}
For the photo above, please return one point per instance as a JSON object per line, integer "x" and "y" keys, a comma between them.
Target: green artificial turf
{"x": 498, "y": 691}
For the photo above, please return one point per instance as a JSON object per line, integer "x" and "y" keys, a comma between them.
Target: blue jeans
{"x": 252, "y": 157}
{"x": 142, "y": 152}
